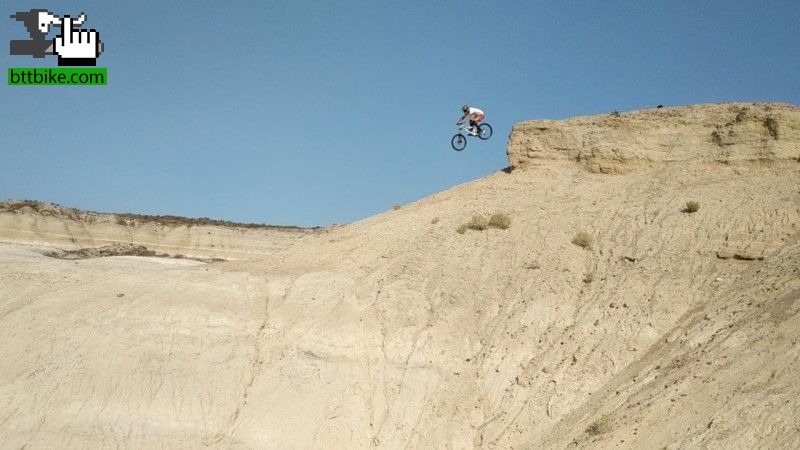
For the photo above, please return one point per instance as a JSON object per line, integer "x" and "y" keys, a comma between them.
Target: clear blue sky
{"x": 320, "y": 112}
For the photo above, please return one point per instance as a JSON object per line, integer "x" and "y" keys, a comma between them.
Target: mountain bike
{"x": 459, "y": 141}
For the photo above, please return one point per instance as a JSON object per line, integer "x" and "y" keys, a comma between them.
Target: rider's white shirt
{"x": 475, "y": 112}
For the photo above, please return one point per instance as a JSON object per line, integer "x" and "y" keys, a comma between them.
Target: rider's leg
{"x": 475, "y": 121}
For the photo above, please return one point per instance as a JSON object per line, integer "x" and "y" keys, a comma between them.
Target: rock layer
{"x": 621, "y": 142}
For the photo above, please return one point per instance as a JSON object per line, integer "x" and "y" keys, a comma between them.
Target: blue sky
{"x": 319, "y": 112}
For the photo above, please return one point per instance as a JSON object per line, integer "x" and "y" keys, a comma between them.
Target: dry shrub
{"x": 479, "y": 223}
{"x": 692, "y": 206}
{"x": 500, "y": 220}
{"x": 718, "y": 138}
{"x": 435, "y": 220}
{"x": 599, "y": 426}
{"x": 582, "y": 239}
{"x": 588, "y": 277}
{"x": 461, "y": 229}
{"x": 772, "y": 127}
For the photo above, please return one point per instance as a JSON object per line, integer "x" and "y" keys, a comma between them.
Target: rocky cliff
{"x": 621, "y": 142}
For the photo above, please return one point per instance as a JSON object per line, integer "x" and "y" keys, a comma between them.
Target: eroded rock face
{"x": 31, "y": 222}
{"x": 621, "y": 142}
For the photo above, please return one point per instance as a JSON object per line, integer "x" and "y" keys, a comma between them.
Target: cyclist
{"x": 475, "y": 117}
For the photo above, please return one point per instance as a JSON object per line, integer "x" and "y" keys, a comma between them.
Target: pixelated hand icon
{"x": 77, "y": 47}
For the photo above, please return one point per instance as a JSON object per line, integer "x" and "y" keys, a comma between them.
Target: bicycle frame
{"x": 465, "y": 127}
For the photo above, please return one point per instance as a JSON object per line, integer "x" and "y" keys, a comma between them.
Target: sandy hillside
{"x": 664, "y": 328}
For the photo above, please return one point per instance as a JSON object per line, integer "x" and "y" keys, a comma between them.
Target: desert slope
{"x": 672, "y": 329}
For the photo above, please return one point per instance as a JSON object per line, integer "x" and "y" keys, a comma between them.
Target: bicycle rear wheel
{"x": 485, "y": 131}
{"x": 458, "y": 142}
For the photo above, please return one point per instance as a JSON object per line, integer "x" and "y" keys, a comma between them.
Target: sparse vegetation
{"x": 533, "y": 265}
{"x": 435, "y": 220}
{"x": 692, "y": 206}
{"x": 478, "y": 223}
{"x": 599, "y": 426}
{"x": 582, "y": 239}
{"x": 500, "y": 220}
{"x": 594, "y": 429}
{"x": 15, "y": 205}
{"x": 397, "y": 206}
{"x": 772, "y": 126}
{"x": 718, "y": 138}
{"x": 588, "y": 277}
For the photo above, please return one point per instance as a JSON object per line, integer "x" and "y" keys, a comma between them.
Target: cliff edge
{"x": 620, "y": 142}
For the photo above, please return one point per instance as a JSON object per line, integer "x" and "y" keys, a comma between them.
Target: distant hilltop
{"x": 55, "y": 210}
{"x": 619, "y": 142}
{"x": 39, "y": 223}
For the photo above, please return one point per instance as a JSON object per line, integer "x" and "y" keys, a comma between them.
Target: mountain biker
{"x": 475, "y": 117}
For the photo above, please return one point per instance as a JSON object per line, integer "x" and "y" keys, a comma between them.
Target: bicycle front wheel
{"x": 458, "y": 142}
{"x": 485, "y": 131}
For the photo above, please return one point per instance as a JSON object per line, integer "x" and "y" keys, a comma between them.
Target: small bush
{"x": 461, "y": 228}
{"x": 479, "y": 223}
{"x": 397, "y": 206}
{"x": 582, "y": 239}
{"x": 435, "y": 220}
{"x": 533, "y": 265}
{"x": 599, "y": 426}
{"x": 588, "y": 277}
{"x": 772, "y": 126}
{"x": 718, "y": 138}
{"x": 500, "y": 220}
{"x": 692, "y": 206}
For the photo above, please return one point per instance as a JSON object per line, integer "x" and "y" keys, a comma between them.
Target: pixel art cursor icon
{"x": 74, "y": 46}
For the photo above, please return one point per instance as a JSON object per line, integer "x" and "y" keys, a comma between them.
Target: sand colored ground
{"x": 672, "y": 329}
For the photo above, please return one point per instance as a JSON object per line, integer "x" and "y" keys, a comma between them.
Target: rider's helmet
{"x": 465, "y": 108}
